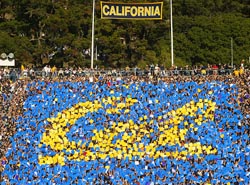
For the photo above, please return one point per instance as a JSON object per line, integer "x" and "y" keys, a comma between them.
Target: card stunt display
{"x": 73, "y": 133}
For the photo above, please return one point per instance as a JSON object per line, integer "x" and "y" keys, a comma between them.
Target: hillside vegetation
{"x": 58, "y": 32}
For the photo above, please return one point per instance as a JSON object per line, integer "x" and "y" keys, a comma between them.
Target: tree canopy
{"x": 58, "y": 32}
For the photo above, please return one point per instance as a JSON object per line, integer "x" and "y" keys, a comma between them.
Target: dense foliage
{"x": 59, "y": 32}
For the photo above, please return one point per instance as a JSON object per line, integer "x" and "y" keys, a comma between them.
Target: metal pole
{"x": 172, "y": 40}
{"x": 93, "y": 35}
{"x": 232, "y": 53}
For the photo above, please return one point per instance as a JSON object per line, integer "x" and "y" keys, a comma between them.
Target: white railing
{"x": 17, "y": 73}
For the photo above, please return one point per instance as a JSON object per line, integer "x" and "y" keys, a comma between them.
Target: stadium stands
{"x": 177, "y": 129}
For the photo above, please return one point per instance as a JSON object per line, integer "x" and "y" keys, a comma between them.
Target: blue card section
{"x": 223, "y": 132}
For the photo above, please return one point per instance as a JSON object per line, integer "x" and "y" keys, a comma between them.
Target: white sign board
{"x": 7, "y": 62}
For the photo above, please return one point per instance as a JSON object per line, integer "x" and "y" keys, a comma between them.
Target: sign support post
{"x": 93, "y": 35}
{"x": 172, "y": 35}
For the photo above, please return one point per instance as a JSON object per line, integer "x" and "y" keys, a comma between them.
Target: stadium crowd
{"x": 154, "y": 70}
{"x": 14, "y": 91}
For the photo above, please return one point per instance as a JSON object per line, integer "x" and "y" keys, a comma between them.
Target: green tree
{"x": 59, "y": 32}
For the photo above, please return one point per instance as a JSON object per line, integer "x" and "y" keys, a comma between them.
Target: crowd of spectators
{"x": 151, "y": 70}
{"x": 13, "y": 93}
